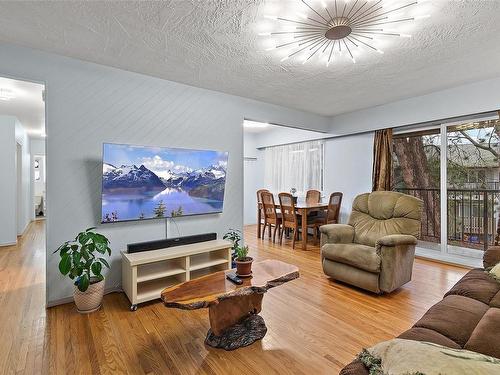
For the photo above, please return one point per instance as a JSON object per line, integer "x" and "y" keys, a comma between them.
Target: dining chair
{"x": 331, "y": 216}
{"x": 313, "y": 197}
{"x": 259, "y": 201}
{"x": 271, "y": 216}
{"x": 290, "y": 219}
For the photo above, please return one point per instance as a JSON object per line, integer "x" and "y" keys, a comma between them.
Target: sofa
{"x": 376, "y": 249}
{"x": 468, "y": 317}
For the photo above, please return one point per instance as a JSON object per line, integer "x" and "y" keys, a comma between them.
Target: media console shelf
{"x": 146, "y": 274}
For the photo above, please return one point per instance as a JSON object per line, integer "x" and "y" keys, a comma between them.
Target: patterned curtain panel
{"x": 298, "y": 165}
{"x": 382, "y": 160}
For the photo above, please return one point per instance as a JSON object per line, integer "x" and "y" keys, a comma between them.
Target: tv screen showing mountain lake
{"x": 153, "y": 182}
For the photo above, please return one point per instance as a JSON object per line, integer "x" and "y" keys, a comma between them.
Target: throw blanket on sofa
{"x": 407, "y": 357}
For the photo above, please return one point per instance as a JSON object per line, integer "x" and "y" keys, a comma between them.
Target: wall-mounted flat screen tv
{"x": 141, "y": 183}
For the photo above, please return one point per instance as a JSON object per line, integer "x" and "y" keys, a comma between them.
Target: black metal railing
{"x": 472, "y": 215}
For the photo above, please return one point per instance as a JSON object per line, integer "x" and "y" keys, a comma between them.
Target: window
{"x": 298, "y": 165}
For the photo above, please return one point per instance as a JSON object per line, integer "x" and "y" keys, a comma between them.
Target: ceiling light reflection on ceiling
{"x": 332, "y": 26}
{"x": 6, "y": 94}
{"x": 255, "y": 125}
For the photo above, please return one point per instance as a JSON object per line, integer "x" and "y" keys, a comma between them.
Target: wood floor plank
{"x": 315, "y": 325}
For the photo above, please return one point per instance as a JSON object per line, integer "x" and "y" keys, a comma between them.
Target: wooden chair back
{"x": 259, "y": 199}
{"x": 313, "y": 196}
{"x": 287, "y": 208}
{"x": 333, "y": 211}
{"x": 268, "y": 206}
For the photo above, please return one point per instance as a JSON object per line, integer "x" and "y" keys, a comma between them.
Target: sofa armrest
{"x": 396, "y": 240}
{"x": 336, "y": 233}
{"x": 491, "y": 256}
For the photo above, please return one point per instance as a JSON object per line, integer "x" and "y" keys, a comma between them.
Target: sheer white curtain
{"x": 298, "y": 165}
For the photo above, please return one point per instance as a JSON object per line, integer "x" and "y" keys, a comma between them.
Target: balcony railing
{"x": 472, "y": 216}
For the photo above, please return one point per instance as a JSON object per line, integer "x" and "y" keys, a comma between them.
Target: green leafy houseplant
{"x": 234, "y": 236}
{"x": 81, "y": 258}
{"x": 242, "y": 253}
{"x": 243, "y": 261}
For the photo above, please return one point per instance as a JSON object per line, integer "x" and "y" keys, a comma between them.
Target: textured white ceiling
{"x": 214, "y": 44}
{"x": 27, "y": 106}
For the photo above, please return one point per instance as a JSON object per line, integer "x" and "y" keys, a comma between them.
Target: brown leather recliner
{"x": 376, "y": 249}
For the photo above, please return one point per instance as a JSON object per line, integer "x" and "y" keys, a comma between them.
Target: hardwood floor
{"x": 22, "y": 303}
{"x": 315, "y": 326}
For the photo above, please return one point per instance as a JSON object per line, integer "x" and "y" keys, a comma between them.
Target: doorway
{"x": 281, "y": 159}
{"x": 39, "y": 191}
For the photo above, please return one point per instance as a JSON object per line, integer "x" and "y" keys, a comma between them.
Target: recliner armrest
{"x": 396, "y": 240}
{"x": 336, "y": 233}
{"x": 396, "y": 252}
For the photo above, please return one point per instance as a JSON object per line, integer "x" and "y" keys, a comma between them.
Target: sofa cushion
{"x": 484, "y": 338}
{"x": 403, "y": 357}
{"x": 360, "y": 256}
{"x": 428, "y": 335}
{"x": 455, "y": 317}
{"x": 495, "y": 301}
{"x": 476, "y": 284}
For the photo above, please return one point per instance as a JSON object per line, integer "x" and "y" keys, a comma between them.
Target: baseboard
{"x": 8, "y": 244}
{"x": 66, "y": 300}
{"x": 25, "y": 229}
{"x": 447, "y": 259}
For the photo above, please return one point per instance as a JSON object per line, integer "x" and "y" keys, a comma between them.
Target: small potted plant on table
{"x": 243, "y": 262}
{"x": 81, "y": 261}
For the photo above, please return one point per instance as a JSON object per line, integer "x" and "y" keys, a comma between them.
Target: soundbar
{"x": 170, "y": 242}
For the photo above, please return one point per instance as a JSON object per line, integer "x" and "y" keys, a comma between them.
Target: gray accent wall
{"x": 88, "y": 104}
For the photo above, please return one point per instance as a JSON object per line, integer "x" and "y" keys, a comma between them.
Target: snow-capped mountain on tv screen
{"x": 150, "y": 182}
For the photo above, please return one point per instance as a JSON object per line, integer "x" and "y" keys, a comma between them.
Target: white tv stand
{"x": 146, "y": 274}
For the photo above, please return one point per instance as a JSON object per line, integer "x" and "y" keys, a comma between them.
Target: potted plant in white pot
{"x": 81, "y": 260}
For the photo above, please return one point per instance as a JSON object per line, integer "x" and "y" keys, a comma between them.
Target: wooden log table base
{"x": 233, "y": 309}
{"x": 249, "y": 330}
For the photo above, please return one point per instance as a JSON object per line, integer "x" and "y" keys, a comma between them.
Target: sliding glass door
{"x": 417, "y": 172}
{"x": 454, "y": 169}
{"x": 472, "y": 165}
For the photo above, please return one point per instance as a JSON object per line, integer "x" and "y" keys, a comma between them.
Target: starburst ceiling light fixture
{"x": 340, "y": 26}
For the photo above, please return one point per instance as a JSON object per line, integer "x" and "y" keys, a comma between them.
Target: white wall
{"x": 88, "y": 104}
{"x": 348, "y": 168}
{"x": 281, "y": 135}
{"x": 483, "y": 96}
{"x": 12, "y": 221}
{"x": 8, "y": 226}
{"x": 37, "y": 146}
{"x": 24, "y": 191}
{"x": 253, "y": 177}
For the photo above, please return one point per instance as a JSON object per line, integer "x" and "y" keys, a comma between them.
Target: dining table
{"x": 303, "y": 209}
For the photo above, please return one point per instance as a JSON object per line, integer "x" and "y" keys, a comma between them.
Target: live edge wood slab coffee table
{"x": 233, "y": 309}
